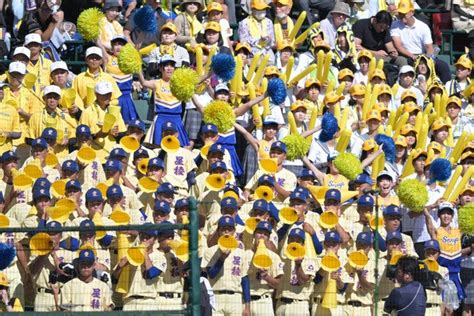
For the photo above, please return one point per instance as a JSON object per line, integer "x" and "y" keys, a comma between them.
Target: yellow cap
{"x": 322, "y": 44}
{"x": 312, "y": 81}
{"x": 272, "y": 70}
{"x": 401, "y": 141}
{"x": 3, "y": 279}
{"x": 369, "y": 144}
{"x": 467, "y": 189}
{"x": 344, "y": 73}
{"x": 243, "y": 46}
{"x": 454, "y": 99}
{"x": 435, "y": 85}
{"x": 243, "y": 91}
{"x": 435, "y": 146}
{"x": 440, "y": 123}
{"x": 298, "y": 104}
{"x": 407, "y": 128}
{"x": 378, "y": 73}
{"x": 169, "y": 26}
{"x": 405, "y": 6}
{"x": 385, "y": 89}
{"x": 417, "y": 152}
{"x": 410, "y": 106}
{"x": 285, "y": 43}
{"x": 214, "y": 6}
{"x": 469, "y": 145}
{"x": 407, "y": 94}
{"x": 374, "y": 115}
{"x": 467, "y": 154}
{"x": 283, "y": 2}
{"x": 381, "y": 107}
{"x": 465, "y": 62}
{"x": 211, "y": 25}
{"x": 259, "y": 5}
{"x": 332, "y": 97}
{"x": 364, "y": 53}
{"x": 357, "y": 89}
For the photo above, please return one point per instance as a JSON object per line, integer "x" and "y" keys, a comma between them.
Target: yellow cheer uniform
{"x": 108, "y": 30}
{"x": 9, "y": 122}
{"x": 284, "y": 178}
{"x": 94, "y": 296}
{"x": 170, "y": 285}
{"x": 84, "y": 79}
{"x": 336, "y": 182}
{"x": 355, "y": 294}
{"x": 93, "y": 117}
{"x": 42, "y": 70}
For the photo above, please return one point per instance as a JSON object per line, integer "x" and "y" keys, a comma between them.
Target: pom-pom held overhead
{"x": 277, "y": 91}
{"x": 328, "y": 127}
{"x": 440, "y": 170}
{"x": 145, "y": 20}
{"x": 7, "y": 254}
{"x": 220, "y": 114}
{"x": 413, "y": 194}
{"x": 465, "y": 216}
{"x": 223, "y": 65}
{"x": 348, "y": 165}
{"x": 296, "y": 146}
{"x": 388, "y": 146}
{"x": 88, "y": 23}
{"x": 129, "y": 60}
{"x": 183, "y": 83}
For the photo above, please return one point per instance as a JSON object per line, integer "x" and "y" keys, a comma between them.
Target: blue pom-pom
{"x": 7, "y": 254}
{"x": 223, "y": 65}
{"x": 277, "y": 91}
{"x": 388, "y": 146}
{"x": 440, "y": 170}
{"x": 328, "y": 127}
{"x": 145, "y": 20}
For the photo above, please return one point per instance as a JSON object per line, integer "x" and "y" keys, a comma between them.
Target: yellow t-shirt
{"x": 108, "y": 30}
{"x": 41, "y": 69}
{"x": 9, "y": 122}
{"x": 25, "y": 100}
{"x": 84, "y": 79}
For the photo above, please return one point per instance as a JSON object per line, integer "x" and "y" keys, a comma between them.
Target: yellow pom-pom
{"x": 466, "y": 214}
{"x": 220, "y": 113}
{"x": 88, "y": 23}
{"x": 413, "y": 194}
{"x": 129, "y": 60}
{"x": 183, "y": 83}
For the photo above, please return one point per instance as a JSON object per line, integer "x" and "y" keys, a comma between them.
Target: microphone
{"x": 370, "y": 191}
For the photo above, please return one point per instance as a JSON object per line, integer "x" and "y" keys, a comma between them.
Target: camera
{"x": 68, "y": 274}
{"x": 428, "y": 279}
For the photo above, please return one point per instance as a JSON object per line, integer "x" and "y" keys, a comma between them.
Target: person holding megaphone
{"x": 260, "y": 212}
{"x": 228, "y": 207}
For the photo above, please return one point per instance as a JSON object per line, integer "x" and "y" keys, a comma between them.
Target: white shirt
{"x": 397, "y": 99}
{"x": 413, "y": 38}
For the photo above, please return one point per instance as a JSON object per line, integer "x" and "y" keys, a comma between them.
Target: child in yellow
{"x": 109, "y": 26}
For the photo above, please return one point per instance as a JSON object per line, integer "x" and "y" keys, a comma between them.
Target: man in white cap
{"x": 21, "y": 54}
{"x": 94, "y": 115}
{"x": 93, "y": 75}
{"x": 337, "y": 17}
{"x": 60, "y": 76}
{"x": 38, "y": 65}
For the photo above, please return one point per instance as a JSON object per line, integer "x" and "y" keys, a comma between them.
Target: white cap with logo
{"x": 58, "y": 65}
{"x": 103, "y": 87}
{"x": 32, "y": 38}
{"x": 22, "y": 50}
{"x": 94, "y": 50}
{"x": 52, "y": 89}
{"x": 18, "y": 67}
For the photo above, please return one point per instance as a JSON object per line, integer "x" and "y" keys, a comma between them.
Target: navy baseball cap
{"x": 70, "y": 165}
{"x": 333, "y": 194}
{"x": 216, "y": 148}
{"x": 162, "y": 206}
{"x": 165, "y": 231}
{"x": 332, "y": 236}
{"x": 73, "y": 184}
{"x": 226, "y": 221}
{"x": 87, "y": 223}
{"x": 297, "y": 195}
{"x": 149, "y": 231}
{"x": 209, "y": 128}
{"x": 298, "y": 232}
{"x": 156, "y": 162}
{"x": 53, "y": 224}
{"x": 114, "y": 192}
{"x": 93, "y": 194}
{"x": 169, "y": 126}
{"x": 278, "y": 146}
{"x": 395, "y": 235}
{"x": 363, "y": 178}
{"x": 260, "y": 205}
{"x": 264, "y": 225}
{"x": 83, "y": 130}
{"x": 165, "y": 188}
{"x": 118, "y": 154}
{"x": 229, "y": 202}
{"x": 8, "y": 155}
{"x": 41, "y": 183}
{"x": 306, "y": 173}
{"x": 86, "y": 255}
{"x": 431, "y": 244}
{"x": 140, "y": 153}
{"x": 137, "y": 124}
{"x": 392, "y": 210}
{"x": 39, "y": 193}
{"x": 49, "y": 133}
{"x": 39, "y": 142}
{"x": 364, "y": 238}
{"x": 266, "y": 179}
{"x": 218, "y": 165}
{"x": 113, "y": 165}
{"x": 181, "y": 203}
{"x": 365, "y": 200}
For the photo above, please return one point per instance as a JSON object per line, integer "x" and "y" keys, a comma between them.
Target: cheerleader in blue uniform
{"x": 124, "y": 82}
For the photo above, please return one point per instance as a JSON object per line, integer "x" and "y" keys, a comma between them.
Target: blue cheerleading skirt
{"x": 127, "y": 107}
{"x": 228, "y": 141}
{"x": 454, "y": 267}
{"x": 161, "y": 119}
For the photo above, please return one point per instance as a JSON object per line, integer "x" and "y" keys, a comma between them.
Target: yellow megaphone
{"x": 180, "y": 249}
{"x": 264, "y": 192}
{"x": 109, "y": 121}
{"x": 205, "y": 150}
{"x": 251, "y": 224}
{"x": 432, "y": 265}
{"x": 373, "y": 224}
{"x": 170, "y": 144}
{"x": 288, "y": 215}
{"x": 68, "y": 97}
{"x": 227, "y": 242}
{"x": 120, "y": 217}
{"x": 358, "y": 259}
{"x": 29, "y": 81}
{"x": 58, "y": 213}
{"x": 103, "y": 186}
{"x": 269, "y": 165}
{"x": 114, "y": 108}
{"x": 90, "y": 97}
{"x": 33, "y": 170}
{"x": 147, "y": 49}
{"x": 58, "y": 188}
{"x": 20, "y": 180}
{"x": 143, "y": 165}
{"x": 148, "y": 184}
{"x": 295, "y": 251}
{"x": 41, "y": 244}
{"x": 215, "y": 182}
{"x": 98, "y": 222}
{"x": 87, "y": 246}
{"x": 51, "y": 160}
{"x": 262, "y": 259}
{"x": 86, "y": 155}
{"x": 67, "y": 203}
{"x": 3, "y": 138}
{"x": 395, "y": 256}
{"x": 136, "y": 255}
{"x": 328, "y": 220}
{"x": 330, "y": 263}
{"x": 130, "y": 144}
{"x": 4, "y": 220}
